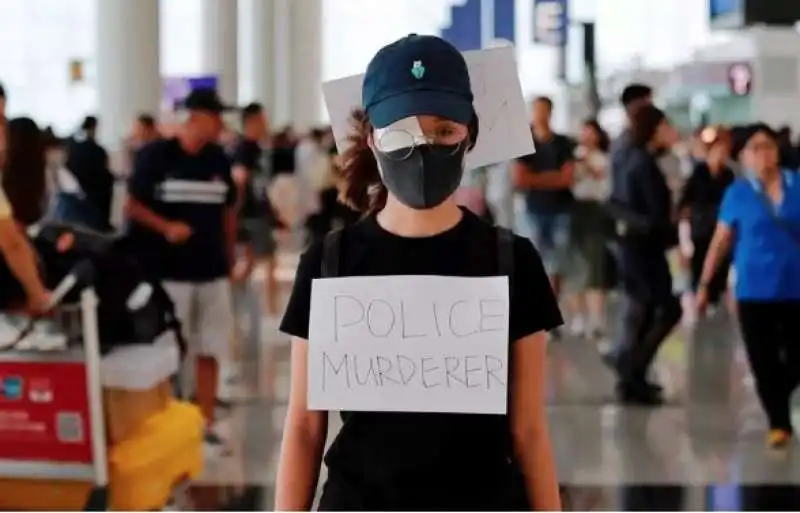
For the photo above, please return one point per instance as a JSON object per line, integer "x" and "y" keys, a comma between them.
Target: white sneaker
{"x": 577, "y": 327}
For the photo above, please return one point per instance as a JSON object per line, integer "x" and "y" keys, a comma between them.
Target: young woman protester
{"x": 402, "y": 168}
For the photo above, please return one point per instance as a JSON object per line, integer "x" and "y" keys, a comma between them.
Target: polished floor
{"x": 702, "y": 451}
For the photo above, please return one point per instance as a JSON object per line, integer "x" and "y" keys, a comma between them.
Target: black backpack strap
{"x": 166, "y": 305}
{"x": 505, "y": 267}
{"x": 331, "y": 249}
{"x": 505, "y": 253}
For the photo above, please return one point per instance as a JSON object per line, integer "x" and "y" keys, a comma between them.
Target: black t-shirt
{"x": 196, "y": 189}
{"x": 550, "y": 156}
{"x": 249, "y": 155}
{"x": 332, "y": 214}
{"x": 377, "y": 445}
{"x": 643, "y": 192}
{"x": 283, "y": 160}
{"x": 702, "y": 195}
{"x": 88, "y": 162}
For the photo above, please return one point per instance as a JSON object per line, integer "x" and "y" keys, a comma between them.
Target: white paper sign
{"x": 504, "y": 130}
{"x": 409, "y": 343}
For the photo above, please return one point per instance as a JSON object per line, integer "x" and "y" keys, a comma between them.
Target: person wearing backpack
{"x": 405, "y": 161}
{"x": 759, "y": 220}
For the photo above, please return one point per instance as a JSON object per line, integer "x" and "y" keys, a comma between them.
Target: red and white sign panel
{"x": 44, "y": 412}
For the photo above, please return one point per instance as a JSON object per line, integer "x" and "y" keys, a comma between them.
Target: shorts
{"x": 551, "y": 234}
{"x": 206, "y": 313}
{"x": 258, "y": 232}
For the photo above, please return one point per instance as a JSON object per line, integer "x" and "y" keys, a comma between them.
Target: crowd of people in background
{"x": 296, "y": 167}
{"x": 223, "y": 192}
{"x": 640, "y": 213}
{"x": 604, "y": 215}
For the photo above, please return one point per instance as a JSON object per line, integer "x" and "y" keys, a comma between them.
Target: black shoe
{"x": 609, "y": 359}
{"x": 597, "y": 334}
{"x": 638, "y": 395}
{"x": 222, "y": 404}
{"x": 213, "y": 439}
{"x": 654, "y": 387}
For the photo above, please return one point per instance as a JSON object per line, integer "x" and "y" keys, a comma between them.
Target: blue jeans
{"x": 551, "y": 234}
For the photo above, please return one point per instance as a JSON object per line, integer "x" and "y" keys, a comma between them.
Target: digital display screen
{"x": 722, "y": 7}
{"x": 734, "y": 14}
{"x": 726, "y": 13}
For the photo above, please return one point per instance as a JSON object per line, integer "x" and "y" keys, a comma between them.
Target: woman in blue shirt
{"x": 760, "y": 220}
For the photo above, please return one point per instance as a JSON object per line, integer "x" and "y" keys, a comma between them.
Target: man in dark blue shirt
{"x": 546, "y": 177}
{"x": 182, "y": 212}
{"x": 258, "y": 216}
{"x": 641, "y": 205}
{"x": 622, "y": 149}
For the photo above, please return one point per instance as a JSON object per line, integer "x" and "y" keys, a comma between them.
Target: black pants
{"x": 651, "y": 312}
{"x": 719, "y": 282}
{"x": 771, "y": 333}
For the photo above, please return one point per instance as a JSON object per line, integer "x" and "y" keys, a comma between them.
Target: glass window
{"x": 46, "y": 35}
{"x": 49, "y": 35}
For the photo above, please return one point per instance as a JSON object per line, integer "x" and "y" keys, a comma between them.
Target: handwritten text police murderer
{"x": 409, "y": 343}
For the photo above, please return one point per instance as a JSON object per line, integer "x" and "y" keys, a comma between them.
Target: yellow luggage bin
{"x": 43, "y": 495}
{"x": 166, "y": 450}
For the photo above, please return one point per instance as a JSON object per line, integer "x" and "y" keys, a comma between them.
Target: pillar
{"x": 128, "y": 74}
{"x": 282, "y": 54}
{"x": 305, "y": 25}
{"x": 220, "y": 40}
{"x": 261, "y": 54}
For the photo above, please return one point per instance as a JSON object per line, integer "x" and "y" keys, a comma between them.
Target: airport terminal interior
{"x": 702, "y": 450}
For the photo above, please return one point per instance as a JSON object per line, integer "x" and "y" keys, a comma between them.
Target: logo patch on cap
{"x": 418, "y": 70}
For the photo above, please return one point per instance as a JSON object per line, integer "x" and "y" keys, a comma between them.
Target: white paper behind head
{"x": 502, "y": 111}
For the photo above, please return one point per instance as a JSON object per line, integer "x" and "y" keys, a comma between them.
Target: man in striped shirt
{"x": 182, "y": 213}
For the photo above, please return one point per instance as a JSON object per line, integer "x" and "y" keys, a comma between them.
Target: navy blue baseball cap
{"x": 414, "y": 76}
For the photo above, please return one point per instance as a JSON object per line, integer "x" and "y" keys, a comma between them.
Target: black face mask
{"x": 427, "y": 176}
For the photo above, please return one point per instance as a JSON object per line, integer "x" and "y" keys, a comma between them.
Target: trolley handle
{"x": 81, "y": 275}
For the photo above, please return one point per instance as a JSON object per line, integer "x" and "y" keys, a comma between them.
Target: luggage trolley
{"x": 52, "y": 424}
{"x": 52, "y": 419}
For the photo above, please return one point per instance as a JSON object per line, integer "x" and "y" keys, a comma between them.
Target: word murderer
{"x": 465, "y": 372}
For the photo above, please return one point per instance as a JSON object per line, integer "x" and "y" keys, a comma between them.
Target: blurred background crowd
{"x": 719, "y": 71}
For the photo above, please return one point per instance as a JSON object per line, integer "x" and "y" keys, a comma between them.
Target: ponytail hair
{"x": 360, "y": 184}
